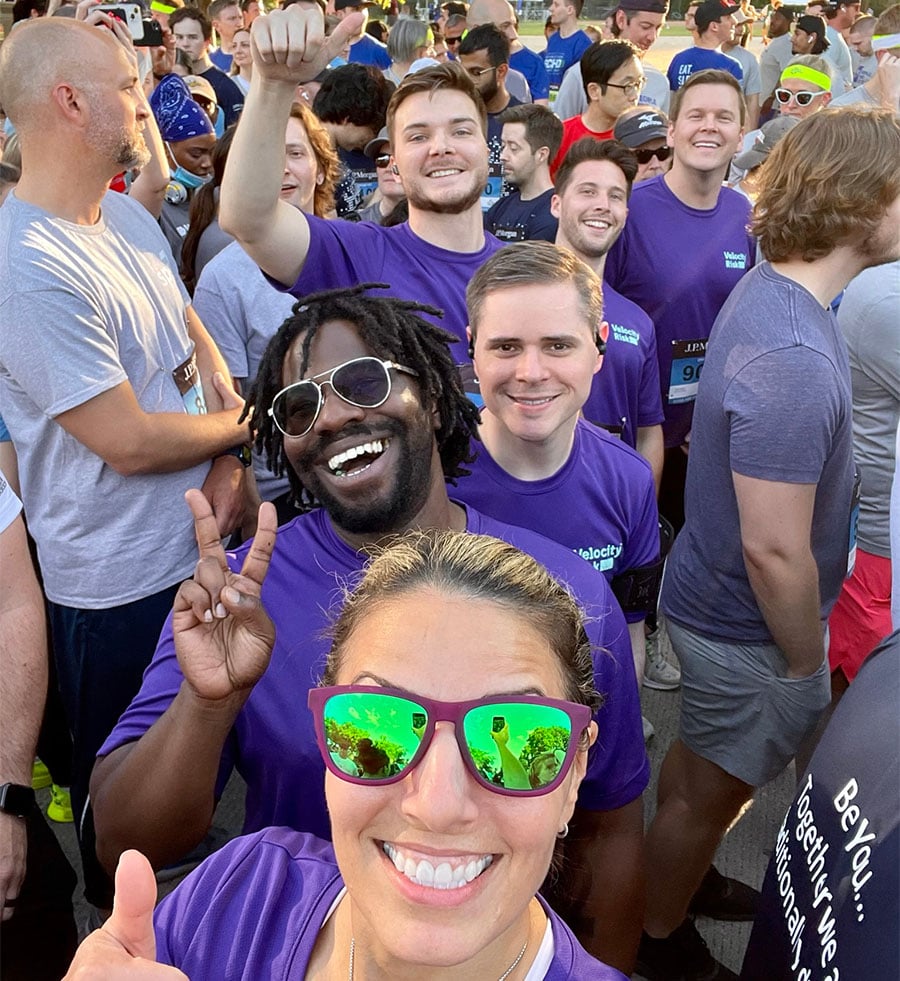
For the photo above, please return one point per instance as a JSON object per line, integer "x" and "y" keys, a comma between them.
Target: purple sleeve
{"x": 618, "y": 769}
{"x": 341, "y": 253}
{"x": 570, "y": 959}
{"x": 783, "y": 408}
{"x": 650, "y": 407}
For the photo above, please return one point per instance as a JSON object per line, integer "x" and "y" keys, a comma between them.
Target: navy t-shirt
{"x": 228, "y": 95}
{"x": 513, "y": 220}
{"x": 357, "y": 181}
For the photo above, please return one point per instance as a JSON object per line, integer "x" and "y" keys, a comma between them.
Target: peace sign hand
{"x": 223, "y": 635}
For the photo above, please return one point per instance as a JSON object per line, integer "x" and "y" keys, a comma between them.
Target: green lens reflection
{"x": 516, "y": 745}
{"x": 372, "y": 736}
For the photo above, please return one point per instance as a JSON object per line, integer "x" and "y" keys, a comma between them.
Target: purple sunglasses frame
{"x": 437, "y": 711}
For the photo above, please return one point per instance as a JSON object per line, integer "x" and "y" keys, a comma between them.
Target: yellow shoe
{"x": 60, "y": 807}
{"x": 40, "y": 775}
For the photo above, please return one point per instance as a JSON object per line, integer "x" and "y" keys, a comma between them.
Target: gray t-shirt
{"x": 869, "y": 317}
{"x": 82, "y": 310}
{"x": 242, "y": 310}
{"x": 773, "y": 403}
{"x": 750, "y": 83}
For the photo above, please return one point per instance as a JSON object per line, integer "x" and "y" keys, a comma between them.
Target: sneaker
{"x": 40, "y": 775}
{"x": 659, "y": 672}
{"x": 60, "y": 807}
{"x": 723, "y": 898}
{"x": 682, "y": 956}
{"x": 649, "y": 731}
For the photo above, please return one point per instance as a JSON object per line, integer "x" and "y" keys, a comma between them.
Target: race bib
{"x": 687, "y": 363}
{"x": 187, "y": 378}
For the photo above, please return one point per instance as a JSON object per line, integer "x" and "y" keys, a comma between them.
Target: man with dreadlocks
{"x": 437, "y": 125}
{"x": 359, "y": 398}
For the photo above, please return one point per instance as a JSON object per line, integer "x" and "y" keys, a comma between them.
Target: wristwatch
{"x": 16, "y": 799}
{"x": 241, "y": 453}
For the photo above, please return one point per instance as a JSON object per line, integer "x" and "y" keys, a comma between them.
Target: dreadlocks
{"x": 392, "y": 329}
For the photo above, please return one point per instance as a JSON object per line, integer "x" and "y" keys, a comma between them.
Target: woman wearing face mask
{"x": 189, "y": 139}
{"x": 438, "y": 852}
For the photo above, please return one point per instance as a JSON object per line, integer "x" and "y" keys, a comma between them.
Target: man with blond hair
{"x": 770, "y": 506}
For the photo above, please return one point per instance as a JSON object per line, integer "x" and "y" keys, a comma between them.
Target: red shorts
{"x": 861, "y": 618}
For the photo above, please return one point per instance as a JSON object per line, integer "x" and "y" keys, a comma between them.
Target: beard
{"x": 392, "y": 507}
{"x": 464, "y": 199}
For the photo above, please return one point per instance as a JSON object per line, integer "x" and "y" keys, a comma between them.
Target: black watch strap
{"x": 16, "y": 799}
{"x": 242, "y": 453}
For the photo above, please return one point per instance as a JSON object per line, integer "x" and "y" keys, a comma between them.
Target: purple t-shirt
{"x": 344, "y": 254}
{"x": 625, "y": 392}
{"x": 695, "y": 59}
{"x": 561, "y": 53}
{"x": 774, "y": 404}
{"x": 273, "y": 744}
{"x": 601, "y": 503}
{"x": 255, "y": 908}
{"x": 679, "y": 264}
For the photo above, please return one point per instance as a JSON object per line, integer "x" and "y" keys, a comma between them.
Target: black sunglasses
{"x": 382, "y": 160}
{"x": 644, "y": 156}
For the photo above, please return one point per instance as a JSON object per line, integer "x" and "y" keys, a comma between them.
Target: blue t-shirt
{"x": 369, "y": 51}
{"x": 692, "y": 60}
{"x": 221, "y": 60}
{"x": 513, "y": 220}
{"x": 679, "y": 265}
{"x": 625, "y": 391}
{"x": 561, "y": 53}
{"x": 255, "y": 909}
{"x": 357, "y": 181}
{"x": 531, "y": 65}
{"x": 344, "y": 254}
{"x": 601, "y": 503}
{"x": 273, "y": 744}
{"x": 774, "y": 404}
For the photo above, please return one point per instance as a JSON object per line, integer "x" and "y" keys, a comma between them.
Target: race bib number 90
{"x": 687, "y": 363}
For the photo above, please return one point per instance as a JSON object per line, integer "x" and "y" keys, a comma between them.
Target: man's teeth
{"x": 541, "y": 401}
{"x": 597, "y": 223}
{"x": 444, "y": 876}
{"x": 375, "y": 448}
{"x": 444, "y": 173}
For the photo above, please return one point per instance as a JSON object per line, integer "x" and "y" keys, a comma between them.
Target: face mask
{"x": 189, "y": 180}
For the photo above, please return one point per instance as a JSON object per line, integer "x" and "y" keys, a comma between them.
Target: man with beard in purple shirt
{"x": 359, "y": 400}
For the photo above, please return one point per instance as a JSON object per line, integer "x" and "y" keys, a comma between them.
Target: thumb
{"x": 345, "y": 31}
{"x": 230, "y": 398}
{"x": 131, "y": 923}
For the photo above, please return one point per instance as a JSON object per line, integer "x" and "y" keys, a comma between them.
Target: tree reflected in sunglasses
{"x": 518, "y": 745}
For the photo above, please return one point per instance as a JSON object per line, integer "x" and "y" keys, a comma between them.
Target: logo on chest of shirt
{"x": 735, "y": 260}
{"x": 602, "y": 558}
{"x": 625, "y": 334}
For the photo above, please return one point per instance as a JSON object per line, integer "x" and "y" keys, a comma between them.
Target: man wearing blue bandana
{"x": 189, "y": 138}
{"x": 112, "y": 390}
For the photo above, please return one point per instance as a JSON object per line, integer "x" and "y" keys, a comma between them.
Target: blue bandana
{"x": 177, "y": 115}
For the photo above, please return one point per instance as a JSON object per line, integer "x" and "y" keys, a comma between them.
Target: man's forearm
{"x": 252, "y": 181}
{"x": 787, "y": 591}
{"x": 158, "y": 794}
{"x": 209, "y": 359}
{"x": 649, "y": 443}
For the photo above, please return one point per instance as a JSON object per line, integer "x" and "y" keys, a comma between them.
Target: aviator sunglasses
{"x": 363, "y": 382}
{"x": 515, "y": 745}
{"x": 662, "y": 153}
{"x": 784, "y": 96}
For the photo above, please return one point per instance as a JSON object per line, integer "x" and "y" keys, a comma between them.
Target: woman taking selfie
{"x": 456, "y": 664}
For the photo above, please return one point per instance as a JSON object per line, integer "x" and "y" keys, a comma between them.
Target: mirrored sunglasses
{"x": 363, "y": 382}
{"x": 519, "y": 746}
{"x": 382, "y": 160}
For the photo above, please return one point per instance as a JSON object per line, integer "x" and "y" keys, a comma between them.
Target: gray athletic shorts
{"x": 738, "y": 708}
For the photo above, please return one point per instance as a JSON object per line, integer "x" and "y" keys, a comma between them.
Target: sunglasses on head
{"x": 784, "y": 96}
{"x": 662, "y": 153}
{"x": 382, "y": 160}
{"x": 516, "y": 745}
{"x": 363, "y": 382}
